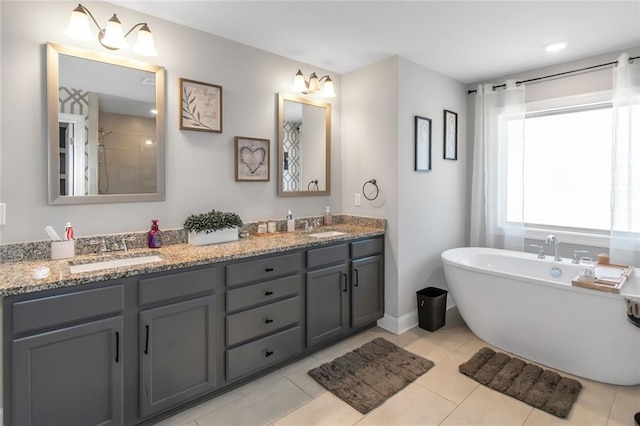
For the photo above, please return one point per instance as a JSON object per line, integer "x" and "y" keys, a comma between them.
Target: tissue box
{"x": 63, "y": 249}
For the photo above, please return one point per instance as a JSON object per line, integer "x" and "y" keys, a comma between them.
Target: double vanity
{"x": 130, "y": 344}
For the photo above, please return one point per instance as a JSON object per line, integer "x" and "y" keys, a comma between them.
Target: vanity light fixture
{"x": 313, "y": 85}
{"x": 112, "y": 36}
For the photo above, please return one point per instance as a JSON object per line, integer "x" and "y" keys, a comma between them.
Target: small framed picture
{"x": 251, "y": 159}
{"x": 200, "y": 106}
{"x": 423, "y": 144}
{"x": 450, "y": 135}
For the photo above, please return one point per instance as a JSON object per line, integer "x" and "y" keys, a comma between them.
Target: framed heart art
{"x": 251, "y": 159}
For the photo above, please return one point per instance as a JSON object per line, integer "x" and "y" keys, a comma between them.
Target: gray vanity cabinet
{"x": 367, "y": 281}
{"x": 345, "y": 288}
{"x": 327, "y": 303}
{"x": 177, "y": 340}
{"x": 263, "y": 313}
{"x": 366, "y": 290}
{"x": 67, "y": 369}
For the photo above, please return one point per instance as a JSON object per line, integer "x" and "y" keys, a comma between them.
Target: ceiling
{"x": 469, "y": 41}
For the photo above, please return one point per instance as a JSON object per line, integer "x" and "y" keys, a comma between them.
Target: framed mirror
{"x": 105, "y": 128}
{"x": 304, "y": 147}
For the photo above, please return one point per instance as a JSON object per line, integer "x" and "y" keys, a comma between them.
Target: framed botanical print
{"x": 450, "y": 135}
{"x": 422, "y": 144}
{"x": 200, "y": 106}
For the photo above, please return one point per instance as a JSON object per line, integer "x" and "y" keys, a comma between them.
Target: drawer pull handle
{"x": 268, "y": 354}
{"x": 268, "y": 293}
{"x": 268, "y": 321}
{"x": 269, "y": 270}
{"x": 344, "y": 278}
{"x": 357, "y": 280}
{"x": 117, "y": 347}
{"x": 146, "y": 345}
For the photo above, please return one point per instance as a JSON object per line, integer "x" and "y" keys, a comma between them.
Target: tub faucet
{"x": 552, "y": 239}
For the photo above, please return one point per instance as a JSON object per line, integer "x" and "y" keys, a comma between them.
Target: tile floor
{"x": 442, "y": 396}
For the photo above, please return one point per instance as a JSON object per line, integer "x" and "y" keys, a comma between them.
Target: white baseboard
{"x": 399, "y": 325}
{"x": 405, "y": 322}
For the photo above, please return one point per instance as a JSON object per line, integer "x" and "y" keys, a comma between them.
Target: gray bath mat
{"x": 365, "y": 377}
{"x": 542, "y": 389}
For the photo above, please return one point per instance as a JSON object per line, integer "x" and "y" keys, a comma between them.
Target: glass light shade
{"x": 327, "y": 89}
{"x": 313, "y": 83}
{"x": 79, "y": 27}
{"x": 144, "y": 44}
{"x": 299, "y": 85}
{"x": 113, "y": 35}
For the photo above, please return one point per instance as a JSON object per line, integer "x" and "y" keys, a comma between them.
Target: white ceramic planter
{"x": 221, "y": 236}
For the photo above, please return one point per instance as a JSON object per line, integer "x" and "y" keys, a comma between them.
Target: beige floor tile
{"x": 341, "y": 348}
{"x": 200, "y": 410}
{"x": 258, "y": 408}
{"x": 473, "y": 345}
{"x": 582, "y": 414}
{"x": 414, "y": 405}
{"x": 429, "y": 350}
{"x": 487, "y": 407}
{"x": 403, "y": 339}
{"x": 445, "y": 379}
{"x": 305, "y": 382}
{"x": 277, "y": 375}
{"x": 327, "y": 410}
{"x": 451, "y": 338}
{"x": 625, "y": 405}
{"x": 595, "y": 393}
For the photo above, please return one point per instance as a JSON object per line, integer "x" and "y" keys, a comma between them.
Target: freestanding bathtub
{"x": 510, "y": 300}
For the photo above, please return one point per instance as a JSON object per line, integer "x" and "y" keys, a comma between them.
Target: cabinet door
{"x": 367, "y": 292}
{"x": 327, "y": 303}
{"x": 177, "y": 353}
{"x": 70, "y": 376}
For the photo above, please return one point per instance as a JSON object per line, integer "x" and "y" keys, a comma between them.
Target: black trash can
{"x": 432, "y": 308}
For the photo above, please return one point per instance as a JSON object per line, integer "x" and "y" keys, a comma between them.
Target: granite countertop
{"x": 31, "y": 276}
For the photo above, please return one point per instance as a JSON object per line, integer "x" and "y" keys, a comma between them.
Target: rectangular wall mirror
{"x": 304, "y": 147}
{"x": 105, "y": 128}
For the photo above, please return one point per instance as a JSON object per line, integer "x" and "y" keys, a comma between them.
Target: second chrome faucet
{"x": 552, "y": 239}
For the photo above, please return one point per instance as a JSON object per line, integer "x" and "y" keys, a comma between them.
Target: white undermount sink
{"x": 114, "y": 263}
{"x": 327, "y": 234}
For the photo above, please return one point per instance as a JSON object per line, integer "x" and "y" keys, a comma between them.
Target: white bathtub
{"x": 510, "y": 300}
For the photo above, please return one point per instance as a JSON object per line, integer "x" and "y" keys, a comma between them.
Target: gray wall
{"x": 426, "y": 211}
{"x": 199, "y": 166}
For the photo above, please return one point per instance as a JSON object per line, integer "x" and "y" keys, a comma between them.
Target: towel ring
{"x": 313, "y": 182}
{"x": 372, "y": 182}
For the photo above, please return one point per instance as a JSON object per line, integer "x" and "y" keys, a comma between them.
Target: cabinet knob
{"x": 268, "y": 353}
{"x": 268, "y": 293}
{"x": 268, "y": 270}
{"x": 268, "y": 321}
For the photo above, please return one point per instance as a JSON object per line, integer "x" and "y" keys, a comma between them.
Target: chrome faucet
{"x": 577, "y": 254}
{"x": 551, "y": 239}
{"x": 103, "y": 249}
{"x": 540, "y": 250}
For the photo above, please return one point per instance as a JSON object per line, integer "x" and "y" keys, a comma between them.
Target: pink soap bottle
{"x": 153, "y": 236}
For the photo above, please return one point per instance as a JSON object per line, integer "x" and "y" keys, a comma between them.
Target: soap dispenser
{"x": 327, "y": 216}
{"x": 153, "y": 236}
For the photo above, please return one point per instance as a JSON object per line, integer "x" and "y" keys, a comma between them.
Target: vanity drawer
{"x": 262, "y": 269}
{"x": 66, "y": 308}
{"x": 176, "y": 285}
{"x": 327, "y": 255}
{"x": 262, "y": 353}
{"x": 256, "y": 294}
{"x": 262, "y": 320}
{"x": 367, "y": 247}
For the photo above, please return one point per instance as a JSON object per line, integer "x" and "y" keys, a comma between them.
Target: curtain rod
{"x": 558, "y": 74}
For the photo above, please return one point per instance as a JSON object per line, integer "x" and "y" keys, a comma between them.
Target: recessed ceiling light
{"x": 556, "y": 46}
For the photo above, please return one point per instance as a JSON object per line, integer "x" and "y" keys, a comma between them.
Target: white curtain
{"x": 625, "y": 185}
{"x": 498, "y": 135}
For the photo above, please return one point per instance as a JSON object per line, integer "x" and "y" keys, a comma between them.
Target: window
{"x": 559, "y": 178}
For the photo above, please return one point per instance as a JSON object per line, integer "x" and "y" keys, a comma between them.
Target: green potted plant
{"x": 212, "y": 227}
